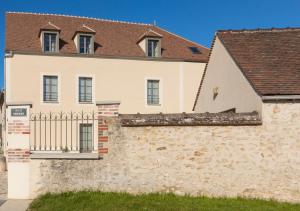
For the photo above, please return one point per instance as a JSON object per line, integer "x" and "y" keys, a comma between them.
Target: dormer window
{"x": 150, "y": 43}
{"x": 85, "y": 44}
{"x": 49, "y": 35}
{"x": 153, "y": 48}
{"x": 50, "y": 42}
{"x": 84, "y": 39}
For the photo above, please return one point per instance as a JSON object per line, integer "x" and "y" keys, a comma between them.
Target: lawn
{"x": 86, "y": 200}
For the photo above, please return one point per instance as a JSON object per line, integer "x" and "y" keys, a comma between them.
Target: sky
{"x": 196, "y": 20}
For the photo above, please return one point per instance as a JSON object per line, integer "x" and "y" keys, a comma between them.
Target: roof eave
{"x": 12, "y": 52}
{"x": 268, "y": 98}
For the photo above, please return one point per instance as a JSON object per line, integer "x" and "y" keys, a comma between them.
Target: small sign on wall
{"x": 18, "y": 112}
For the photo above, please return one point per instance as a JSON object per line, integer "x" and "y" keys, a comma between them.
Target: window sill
{"x": 157, "y": 105}
{"x": 86, "y": 53}
{"x": 65, "y": 155}
{"x": 48, "y": 52}
{"x": 153, "y": 57}
{"x": 49, "y": 102}
{"x": 86, "y": 103}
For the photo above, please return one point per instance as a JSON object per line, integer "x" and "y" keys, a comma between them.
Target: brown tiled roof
{"x": 269, "y": 58}
{"x": 112, "y": 38}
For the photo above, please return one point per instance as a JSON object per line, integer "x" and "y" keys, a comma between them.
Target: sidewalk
{"x": 2, "y": 201}
{"x": 10, "y": 205}
{"x": 15, "y": 205}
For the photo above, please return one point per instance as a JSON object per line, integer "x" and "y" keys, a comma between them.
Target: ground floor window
{"x": 86, "y": 137}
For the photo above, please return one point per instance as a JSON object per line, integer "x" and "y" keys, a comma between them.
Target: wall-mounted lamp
{"x": 215, "y": 92}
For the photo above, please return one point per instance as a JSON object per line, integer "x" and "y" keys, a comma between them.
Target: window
{"x": 86, "y": 137}
{"x": 153, "y": 92}
{"x": 50, "y": 89}
{"x": 153, "y": 48}
{"x": 85, "y": 90}
{"x": 85, "y": 44}
{"x": 50, "y": 42}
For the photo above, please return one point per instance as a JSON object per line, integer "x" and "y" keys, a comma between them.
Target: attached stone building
{"x": 251, "y": 69}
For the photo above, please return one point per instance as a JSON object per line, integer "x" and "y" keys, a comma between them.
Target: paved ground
{"x": 15, "y": 205}
{"x": 10, "y": 205}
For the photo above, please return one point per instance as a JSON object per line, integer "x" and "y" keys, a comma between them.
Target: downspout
{"x": 8, "y": 54}
{"x": 181, "y": 87}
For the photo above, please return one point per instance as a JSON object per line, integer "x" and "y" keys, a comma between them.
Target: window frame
{"x": 85, "y": 97}
{"x": 151, "y": 97}
{"x": 78, "y": 43}
{"x": 160, "y": 91}
{"x": 158, "y": 47}
{"x": 42, "y": 89}
{"x": 92, "y": 149}
{"x": 77, "y": 77}
{"x": 56, "y": 40}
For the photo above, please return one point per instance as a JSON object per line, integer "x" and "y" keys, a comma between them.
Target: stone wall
{"x": 250, "y": 161}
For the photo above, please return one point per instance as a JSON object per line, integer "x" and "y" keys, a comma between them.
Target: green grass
{"x": 86, "y": 200}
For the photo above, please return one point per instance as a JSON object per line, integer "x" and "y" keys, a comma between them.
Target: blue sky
{"x": 196, "y": 20}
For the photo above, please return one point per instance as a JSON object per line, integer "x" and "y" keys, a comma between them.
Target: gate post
{"x": 106, "y": 110}
{"x": 18, "y": 150}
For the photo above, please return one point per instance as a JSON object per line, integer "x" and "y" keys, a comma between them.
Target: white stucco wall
{"x": 234, "y": 90}
{"x": 114, "y": 79}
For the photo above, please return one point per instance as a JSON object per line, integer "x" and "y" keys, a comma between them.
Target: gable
{"x": 269, "y": 59}
{"x": 224, "y": 87}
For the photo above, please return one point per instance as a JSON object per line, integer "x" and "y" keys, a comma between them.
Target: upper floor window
{"x": 150, "y": 43}
{"x": 153, "y": 92}
{"x": 50, "y": 42}
{"x": 50, "y": 88}
{"x": 153, "y": 48}
{"x": 85, "y": 90}
{"x": 85, "y": 44}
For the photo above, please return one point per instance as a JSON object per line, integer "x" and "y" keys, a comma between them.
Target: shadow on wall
{"x": 3, "y": 166}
